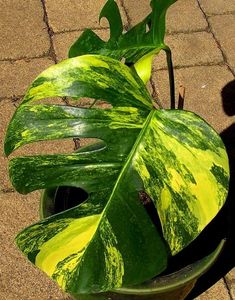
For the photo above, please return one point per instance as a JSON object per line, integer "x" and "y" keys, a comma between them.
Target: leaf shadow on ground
{"x": 225, "y": 221}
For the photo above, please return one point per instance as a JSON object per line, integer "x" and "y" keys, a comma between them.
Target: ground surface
{"x": 35, "y": 34}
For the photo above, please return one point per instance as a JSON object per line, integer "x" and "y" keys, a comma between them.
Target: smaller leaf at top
{"x": 144, "y": 38}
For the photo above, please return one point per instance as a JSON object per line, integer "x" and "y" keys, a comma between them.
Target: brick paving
{"x": 23, "y": 31}
{"x": 37, "y": 33}
{"x": 194, "y": 49}
{"x": 15, "y": 76}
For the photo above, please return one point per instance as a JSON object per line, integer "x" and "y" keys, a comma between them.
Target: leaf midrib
{"x": 124, "y": 169}
{"x": 131, "y": 154}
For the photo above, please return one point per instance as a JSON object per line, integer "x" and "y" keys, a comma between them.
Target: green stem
{"x": 171, "y": 75}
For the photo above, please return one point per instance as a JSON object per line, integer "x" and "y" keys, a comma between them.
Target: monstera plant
{"x": 173, "y": 156}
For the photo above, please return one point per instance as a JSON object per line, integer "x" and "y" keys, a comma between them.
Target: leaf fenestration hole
{"x": 84, "y": 102}
{"x": 67, "y": 197}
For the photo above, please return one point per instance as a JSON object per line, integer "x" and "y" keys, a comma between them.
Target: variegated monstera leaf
{"x": 109, "y": 241}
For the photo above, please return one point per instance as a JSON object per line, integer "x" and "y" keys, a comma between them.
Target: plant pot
{"x": 173, "y": 286}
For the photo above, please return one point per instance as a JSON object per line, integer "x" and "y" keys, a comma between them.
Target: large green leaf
{"x": 137, "y": 46}
{"x": 173, "y": 155}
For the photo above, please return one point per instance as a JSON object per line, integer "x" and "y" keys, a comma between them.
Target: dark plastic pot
{"x": 173, "y": 286}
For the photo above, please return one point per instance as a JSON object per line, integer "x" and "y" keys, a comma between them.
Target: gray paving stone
{"x": 183, "y": 16}
{"x": 224, "y": 30}
{"x": 230, "y": 280}
{"x": 137, "y": 11}
{"x": 191, "y": 49}
{"x": 203, "y": 92}
{"x": 217, "y": 292}
{"x": 217, "y": 6}
{"x": 23, "y": 31}
{"x": 15, "y": 77}
{"x": 67, "y": 15}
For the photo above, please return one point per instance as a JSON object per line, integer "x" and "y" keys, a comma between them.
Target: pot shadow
{"x": 225, "y": 221}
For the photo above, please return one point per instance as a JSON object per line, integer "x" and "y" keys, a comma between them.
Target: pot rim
{"x": 178, "y": 278}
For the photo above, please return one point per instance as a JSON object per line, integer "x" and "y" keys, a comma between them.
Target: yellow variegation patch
{"x": 71, "y": 241}
{"x": 176, "y": 163}
{"x": 113, "y": 258}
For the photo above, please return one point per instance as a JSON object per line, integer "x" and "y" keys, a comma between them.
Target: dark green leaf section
{"x": 142, "y": 39}
{"x": 219, "y": 173}
{"x": 48, "y": 122}
{"x": 91, "y": 76}
{"x": 39, "y": 172}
